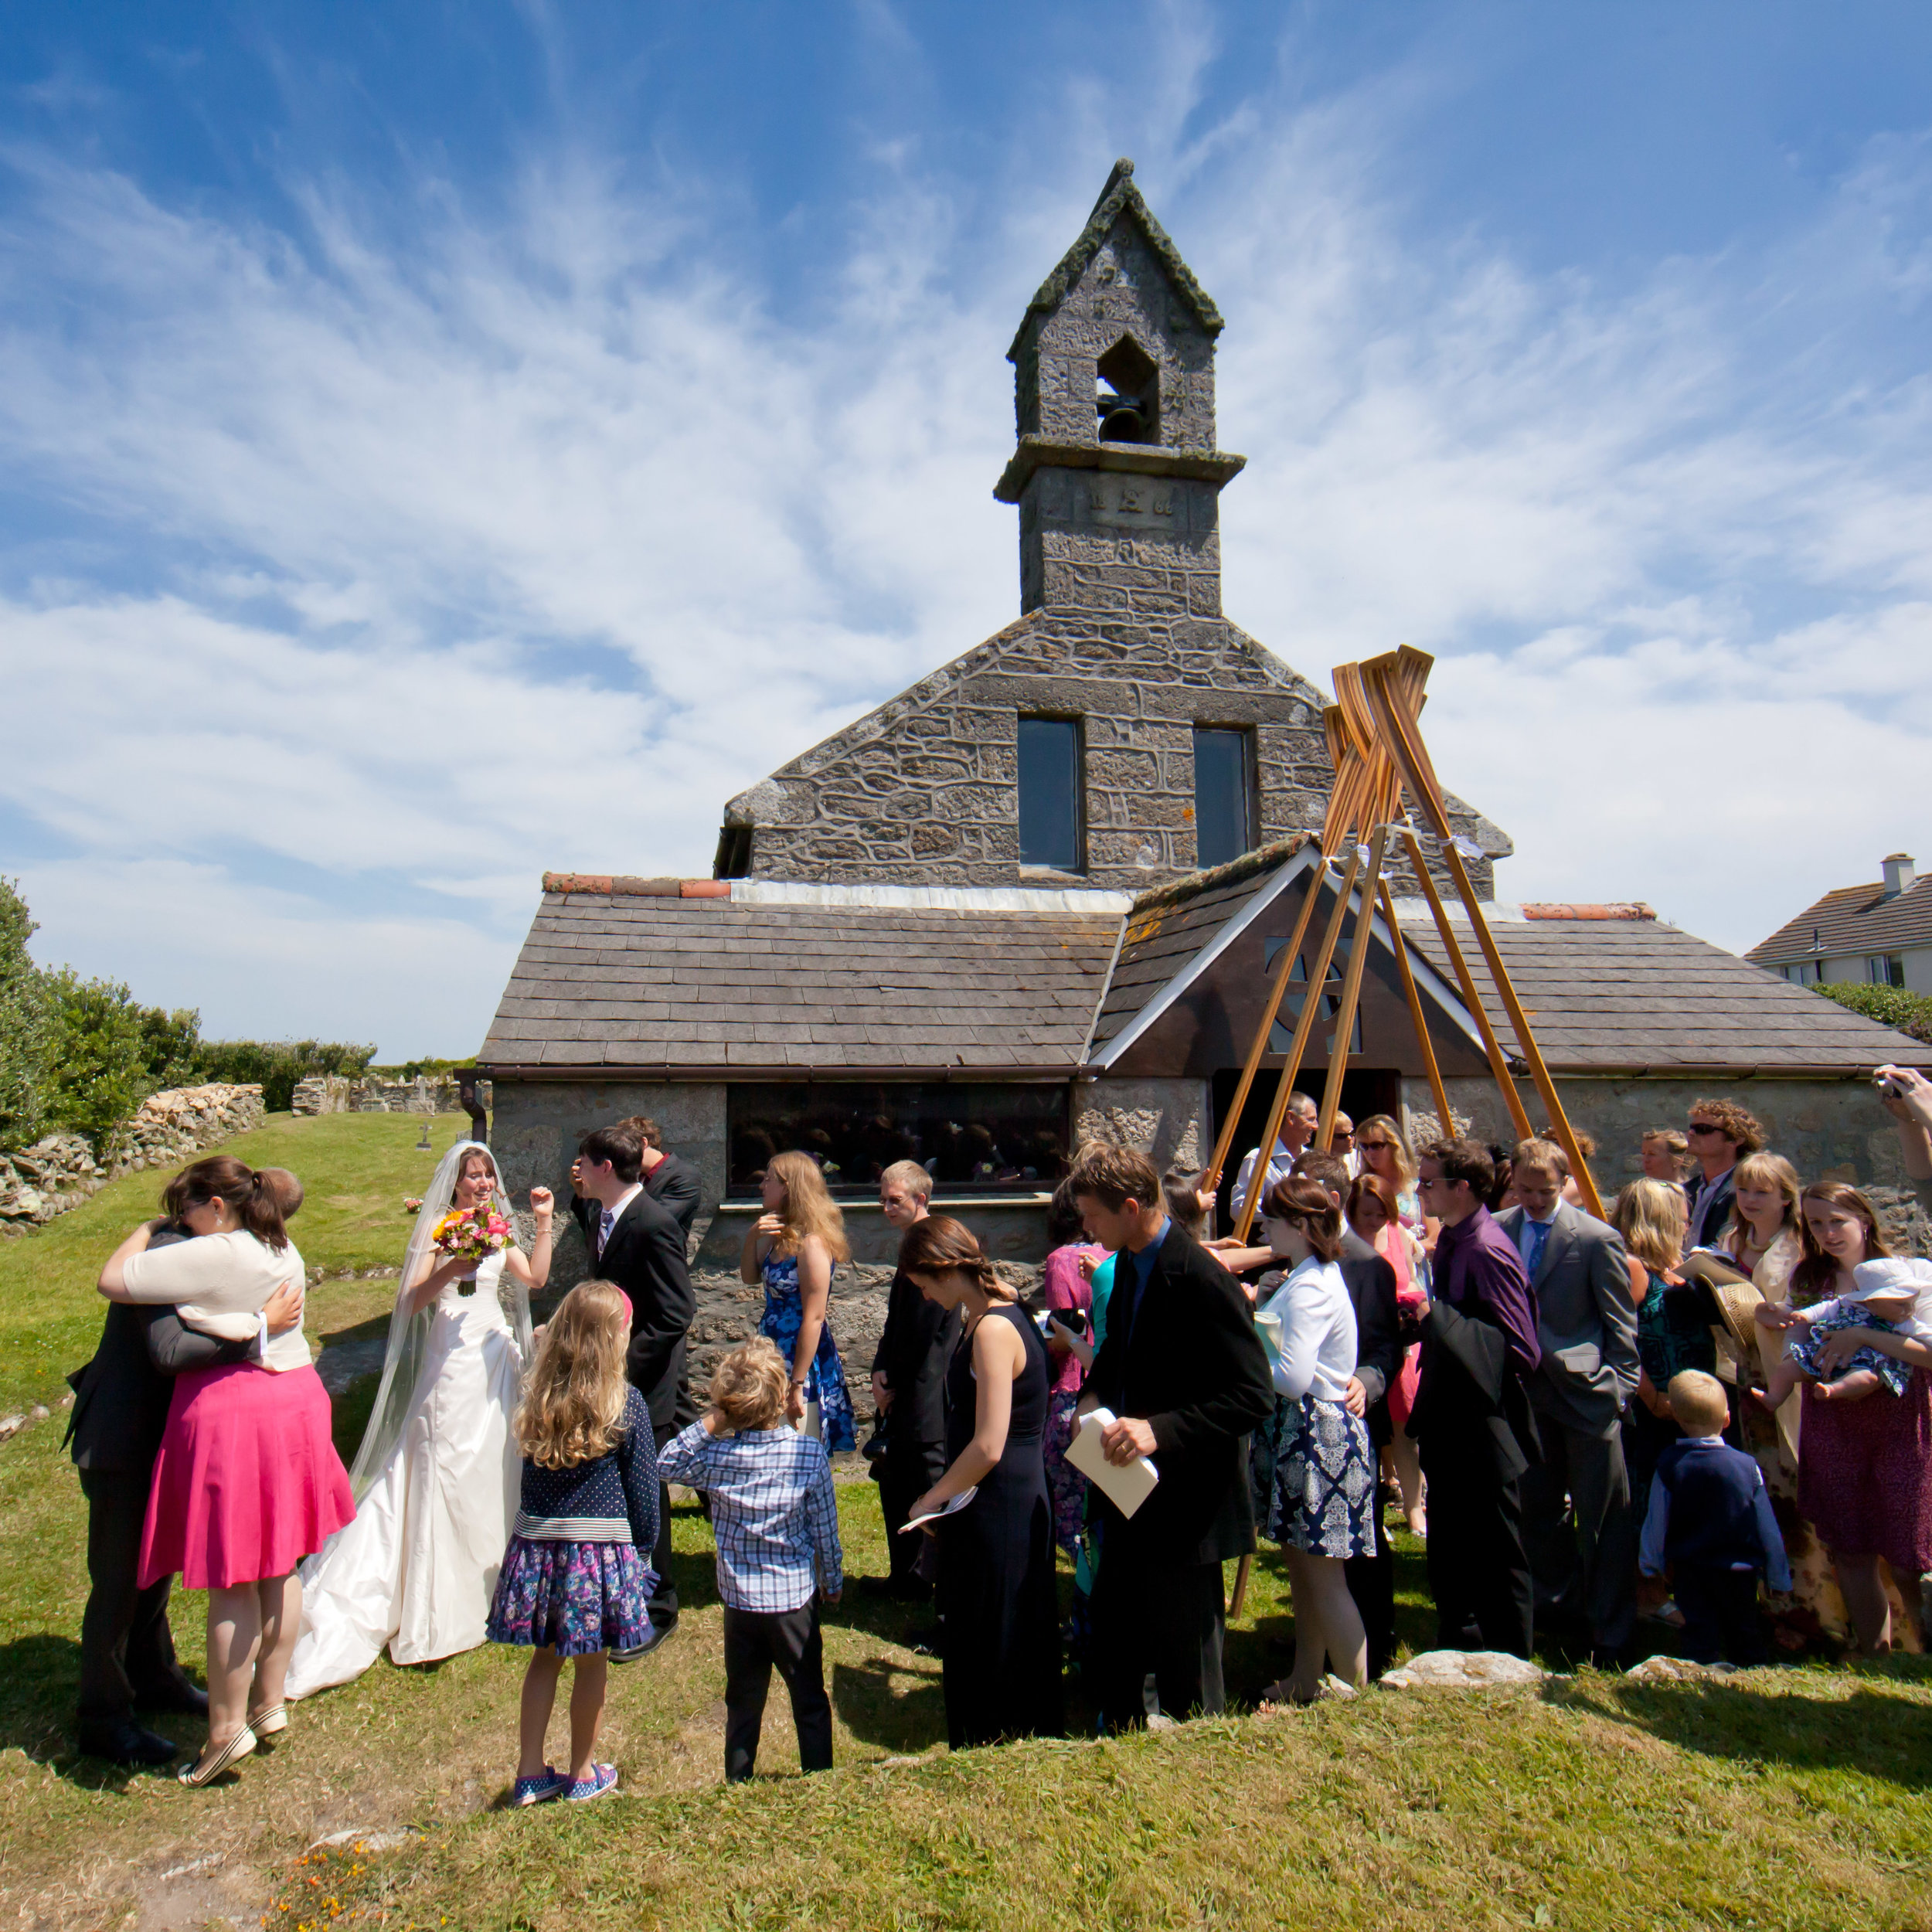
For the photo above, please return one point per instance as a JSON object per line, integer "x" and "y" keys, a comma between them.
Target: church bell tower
{"x": 1116, "y": 474}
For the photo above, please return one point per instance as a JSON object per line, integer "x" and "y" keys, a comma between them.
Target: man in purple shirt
{"x": 1472, "y": 1418}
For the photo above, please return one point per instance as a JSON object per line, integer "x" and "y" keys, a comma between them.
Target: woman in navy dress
{"x": 1001, "y": 1649}
{"x": 793, "y": 1248}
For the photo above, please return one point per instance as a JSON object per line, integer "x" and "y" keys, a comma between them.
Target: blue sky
{"x": 441, "y": 443}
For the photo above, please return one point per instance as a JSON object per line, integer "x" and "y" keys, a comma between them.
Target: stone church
{"x": 1123, "y": 733}
{"x": 1037, "y": 897}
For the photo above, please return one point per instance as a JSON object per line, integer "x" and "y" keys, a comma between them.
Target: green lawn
{"x": 1790, "y": 1797}
{"x": 356, "y": 1167}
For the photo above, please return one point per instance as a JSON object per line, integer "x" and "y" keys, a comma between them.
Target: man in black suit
{"x": 119, "y": 1411}
{"x": 637, "y": 1243}
{"x": 1377, "y": 1354}
{"x": 1186, "y": 1378}
{"x": 908, "y": 1386}
{"x": 672, "y": 1183}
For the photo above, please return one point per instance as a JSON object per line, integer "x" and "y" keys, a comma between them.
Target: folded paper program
{"x": 1125, "y": 1485}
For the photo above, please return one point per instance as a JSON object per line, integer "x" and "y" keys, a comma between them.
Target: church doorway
{"x": 1365, "y": 1090}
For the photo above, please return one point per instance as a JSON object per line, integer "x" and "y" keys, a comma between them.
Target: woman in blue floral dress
{"x": 793, "y": 1249}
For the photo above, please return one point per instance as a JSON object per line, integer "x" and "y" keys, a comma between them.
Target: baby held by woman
{"x": 1894, "y": 1297}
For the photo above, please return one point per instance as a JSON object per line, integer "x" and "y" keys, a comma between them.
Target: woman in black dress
{"x": 1001, "y": 1649}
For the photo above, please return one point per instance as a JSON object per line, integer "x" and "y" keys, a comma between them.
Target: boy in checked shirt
{"x": 776, "y": 1526}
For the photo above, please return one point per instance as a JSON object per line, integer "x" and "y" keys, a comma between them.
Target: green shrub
{"x": 109, "y": 1053}
{"x": 411, "y": 1069}
{"x": 277, "y": 1065}
{"x": 24, "y": 1025}
{"x": 1889, "y": 1006}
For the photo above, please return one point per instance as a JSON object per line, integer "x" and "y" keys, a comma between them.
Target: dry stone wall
{"x": 62, "y": 1170}
{"x": 337, "y": 1093}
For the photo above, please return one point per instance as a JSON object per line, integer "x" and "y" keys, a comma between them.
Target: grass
{"x": 1788, "y": 1797}
{"x": 356, "y": 1167}
{"x": 1794, "y": 1799}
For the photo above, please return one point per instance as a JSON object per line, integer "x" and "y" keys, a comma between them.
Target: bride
{"x": 436, "y": 1477}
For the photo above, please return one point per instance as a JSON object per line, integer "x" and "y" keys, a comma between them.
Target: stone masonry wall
{"x": 168, "y": 1130}
{"x": 337, "y": 1093}
{"x": 925, "y": 790}
{"x": 1124, "y": 290}
{"x": 1828, "y": 1130}
{"x": 1168, "y": 1119}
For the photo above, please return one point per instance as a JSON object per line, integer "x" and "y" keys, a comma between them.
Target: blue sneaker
{"x": 602, "y": 1780}
{"x": 536, "y": 1790}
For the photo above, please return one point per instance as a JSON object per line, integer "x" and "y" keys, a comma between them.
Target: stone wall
{"x": 1828, "y": 1130}
{"x": 168, "y": 1129}
{"x": 925, "y": 790}
{"x": 427, "y": 1094}
{"x": 1168, "y": 1119}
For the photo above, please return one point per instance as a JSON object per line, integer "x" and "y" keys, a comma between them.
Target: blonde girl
{"x": 576, "y": 1580}
{"x": 1386, "y": 1153}
{"x": 792, "y": 1249}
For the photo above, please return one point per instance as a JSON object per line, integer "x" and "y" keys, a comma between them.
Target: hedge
{"x": 1889, "y": 1006}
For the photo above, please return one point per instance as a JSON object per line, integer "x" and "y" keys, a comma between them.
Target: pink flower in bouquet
{"x": 473, "y": 1234}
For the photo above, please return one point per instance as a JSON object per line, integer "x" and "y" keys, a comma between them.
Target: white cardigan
{"x": 1318, "y": 1351}
{"x": 221, "y": 1283}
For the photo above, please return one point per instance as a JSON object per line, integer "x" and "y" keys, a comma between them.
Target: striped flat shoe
{"x": 270, "y": 1723}
{"x": 208, "y": 1769}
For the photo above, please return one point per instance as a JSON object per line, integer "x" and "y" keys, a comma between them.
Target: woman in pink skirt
{"x": 247, "y": 1482}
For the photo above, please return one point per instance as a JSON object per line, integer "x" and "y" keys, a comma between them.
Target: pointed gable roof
{"x": 1852, "y": 919}
{"x": 1119, "y": 197}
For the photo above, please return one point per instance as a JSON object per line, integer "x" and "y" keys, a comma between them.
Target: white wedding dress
{"x": 416, "y": 1568}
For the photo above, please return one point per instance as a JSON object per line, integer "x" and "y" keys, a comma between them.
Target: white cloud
{"x": 529, "y": 539}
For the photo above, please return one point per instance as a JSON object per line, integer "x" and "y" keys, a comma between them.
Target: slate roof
{"x": 638, "y": 983}
{"x": 1635, "y": 995}
{"x": 1854, "y": 918}
{"x": 1168, "y": 927}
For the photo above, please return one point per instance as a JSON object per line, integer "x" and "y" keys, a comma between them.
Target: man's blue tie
{"x": 1539, "y": 1241}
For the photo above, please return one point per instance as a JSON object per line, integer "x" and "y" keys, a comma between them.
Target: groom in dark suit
{"x": 1186, "y": 1378}
{"x": 637, "y": 1243}
{"x": 119, "y": 1411}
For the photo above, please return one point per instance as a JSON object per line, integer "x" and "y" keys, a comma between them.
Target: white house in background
{"x": 1881, "y": 934}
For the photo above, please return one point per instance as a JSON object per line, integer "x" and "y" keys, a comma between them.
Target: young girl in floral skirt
{"x": 576, "y": 1579}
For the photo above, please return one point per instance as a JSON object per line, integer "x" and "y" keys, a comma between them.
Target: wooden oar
{"x": 1388, "y": 681}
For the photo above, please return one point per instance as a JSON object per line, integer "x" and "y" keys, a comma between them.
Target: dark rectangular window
{"x": 972, "y": 1138}
{"x": 1223, "y": 794}
{"x": 1050, "y": 829}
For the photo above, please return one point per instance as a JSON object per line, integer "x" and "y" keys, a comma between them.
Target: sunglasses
{"x": 1702, "y": 1127}
{"x": 1369, "y": 1146}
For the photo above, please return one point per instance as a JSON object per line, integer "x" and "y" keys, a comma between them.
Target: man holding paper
{"x": 1185, "y": 1376}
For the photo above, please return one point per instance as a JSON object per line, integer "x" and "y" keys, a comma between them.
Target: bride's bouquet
{"x": 472, "y": 1234}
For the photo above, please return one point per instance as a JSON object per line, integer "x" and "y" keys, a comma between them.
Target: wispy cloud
{"x": 405, "y": 554}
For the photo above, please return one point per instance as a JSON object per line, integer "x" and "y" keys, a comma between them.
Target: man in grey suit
{"x": 1578, "y": 1524}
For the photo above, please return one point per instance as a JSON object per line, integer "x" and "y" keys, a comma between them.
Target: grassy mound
{"x": 1785, "y": 1797}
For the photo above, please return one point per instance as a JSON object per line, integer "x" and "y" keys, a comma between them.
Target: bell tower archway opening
{"x": 1127, "y": 394}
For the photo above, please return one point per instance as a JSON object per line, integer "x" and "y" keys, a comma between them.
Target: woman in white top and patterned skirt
{"x": 1321, "y": 1502}
{"x": 436, "y": 1479}
{"x": 247, "y": 1482}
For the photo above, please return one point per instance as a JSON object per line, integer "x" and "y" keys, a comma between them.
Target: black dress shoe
{"x": 127, "y": 1743}
{"x": 661, "y": 1634}
{"x": 190, "y": 1699}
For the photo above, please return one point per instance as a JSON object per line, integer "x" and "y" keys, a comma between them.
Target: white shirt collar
{"x": 615, "y": 1211}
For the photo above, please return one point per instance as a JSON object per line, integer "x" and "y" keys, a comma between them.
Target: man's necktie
{"x": 1539, "y": 1241}
{"x": 606, "y": 1222}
